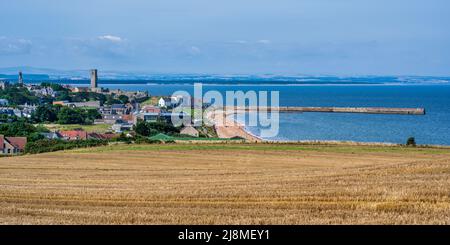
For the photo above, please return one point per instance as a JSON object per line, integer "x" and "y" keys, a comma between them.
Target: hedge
{"x": 46, "y": 145}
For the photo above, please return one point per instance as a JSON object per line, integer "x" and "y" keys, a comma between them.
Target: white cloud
{"x": 111, "y": 38}
{"x": 194, "y": 50}
{"x": 107, "y": 46}
{"x": 14, "y": 46}
{"x": 240, "y": 42}
{"x": 264, "y": 41}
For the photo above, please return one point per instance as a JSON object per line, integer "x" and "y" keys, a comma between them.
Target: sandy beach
{"x": 227, "y": 128}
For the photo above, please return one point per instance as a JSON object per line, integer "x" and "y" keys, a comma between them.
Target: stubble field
{"x": 228, "y": 184}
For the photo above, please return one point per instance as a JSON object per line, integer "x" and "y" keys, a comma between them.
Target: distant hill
{"x": 32, "y": 73}
{"x": 82, "y": 75}
{"x": 29, "y": 77}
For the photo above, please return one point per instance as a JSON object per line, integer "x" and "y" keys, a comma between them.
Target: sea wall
{"x": 367, "y": 110}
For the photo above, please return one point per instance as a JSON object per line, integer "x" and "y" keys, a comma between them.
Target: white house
{"x": 121, "y": 127}
{"x": 165, "y": 102}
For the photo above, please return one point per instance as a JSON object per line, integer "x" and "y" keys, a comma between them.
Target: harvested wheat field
{"x": 228, "y": 184}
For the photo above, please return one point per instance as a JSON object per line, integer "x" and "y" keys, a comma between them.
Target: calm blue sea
{"x": 433, "y": 128}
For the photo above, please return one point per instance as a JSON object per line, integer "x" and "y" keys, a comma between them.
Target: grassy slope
{"x": 98, "y": 128}
{"x": 273, "y": 147}
{"x": 153, "y": 100}
{"x": 228, "y": 184}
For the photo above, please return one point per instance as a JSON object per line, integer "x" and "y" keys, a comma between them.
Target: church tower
{"x": 20, "y": 81}
{"x": 94, "y": 79}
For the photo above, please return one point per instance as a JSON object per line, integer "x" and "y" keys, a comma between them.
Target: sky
{"x": 285, "y": 37}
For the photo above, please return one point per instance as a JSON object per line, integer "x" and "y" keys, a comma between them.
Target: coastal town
{"x": 52, "y": 116}
{"x": 224, "y": 122}
{"x": 33, "y": 115}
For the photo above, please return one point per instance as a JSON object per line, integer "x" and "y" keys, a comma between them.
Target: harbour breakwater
{"x": 364, "y": 110}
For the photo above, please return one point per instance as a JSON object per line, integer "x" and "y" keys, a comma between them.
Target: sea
{"x": 431, "y": 129}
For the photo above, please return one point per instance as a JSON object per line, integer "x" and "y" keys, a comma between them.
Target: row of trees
{"x": 45, "y": 145}
{"x": 21, "y": 128}
{"x": 17, "y": 95}
{"x": 49, "y": 113}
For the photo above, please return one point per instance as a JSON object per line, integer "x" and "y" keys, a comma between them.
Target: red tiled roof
{"x": 151, "y": 109}
{"x": 127, "y": 117}
{"x": 2, "y": 141}
{"x": 72, "y": 134}
{"x": 17, "y": 142}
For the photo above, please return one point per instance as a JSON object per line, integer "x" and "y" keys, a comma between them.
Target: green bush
{"x": 22, "y": 128}
{"x": 17, "y": 95}
{"x": 69, "y": 115}
{"x": 45, "y": 113}
{"x": 153, "y": 128}
{"x": 411, "y": 141}
{"x": 124, "y": 99}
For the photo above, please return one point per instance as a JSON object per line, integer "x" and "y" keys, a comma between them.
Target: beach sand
{"x": 227, "y": 128}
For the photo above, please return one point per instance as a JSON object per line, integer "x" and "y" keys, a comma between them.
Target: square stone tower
{"x": 20, "y": 81}
{"x": 94, "y": 79}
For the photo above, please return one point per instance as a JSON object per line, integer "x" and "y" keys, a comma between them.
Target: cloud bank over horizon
{"x": 361, "y": 37}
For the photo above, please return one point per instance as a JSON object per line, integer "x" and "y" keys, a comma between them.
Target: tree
{"x": 111, "y": 100}
{"x": 90, "y": 115}
{"x": 163, "y": 127}
{"x": 17, "y": 95}
{"x": 45, "y": 113}
{"x": 54, "y": 86}
{"x": 124, "y": 99}
{"x": 70, "y": 116}
{"x": 5, "y": 118}
{"x": 63, "y": 95}
{"x": 411, "y": 141}
{"x": 142, "y": 128}
{"x": 22, "y": 129}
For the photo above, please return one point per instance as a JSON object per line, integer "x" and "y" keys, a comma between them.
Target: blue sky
{"x": 343, "y": 37}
